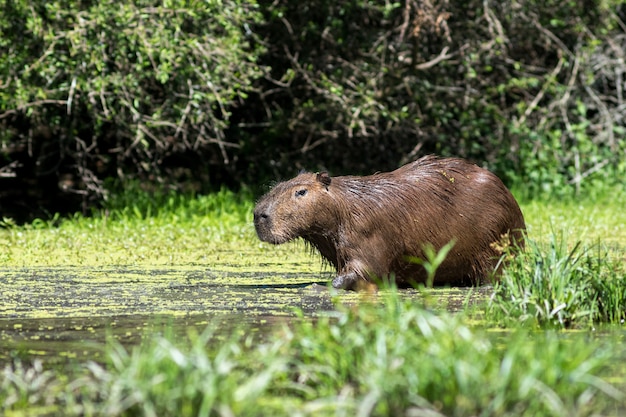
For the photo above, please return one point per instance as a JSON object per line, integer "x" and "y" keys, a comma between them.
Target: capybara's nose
{"x": 260, "y": 217}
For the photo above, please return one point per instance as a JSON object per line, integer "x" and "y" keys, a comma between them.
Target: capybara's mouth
{"x": 274, "y": 241}
{"x": 269, "y": 237}
{"x": 265, "y": 234}
{"x": 263, "y": 227}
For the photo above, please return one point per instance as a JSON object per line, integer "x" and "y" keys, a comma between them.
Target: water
{"x": 66, "y": 313}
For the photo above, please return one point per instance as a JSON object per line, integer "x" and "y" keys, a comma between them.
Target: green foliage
{"x": 398, "y": 358}
{"x": 431, "y": 263}
{"x": 529, "y": 89}
{"x": 120, "y": 86}
{"x": 135, "y": 227}
{"x": 559, "y": 286}
{"x": 24, "y": 387}
{"x": 162, "y": 377}
{"x": 433, "y": 260}
{"x": 232, "y": 92}
{"x": 132, "y": 200}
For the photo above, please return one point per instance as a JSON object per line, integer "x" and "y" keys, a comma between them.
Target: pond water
{"x": 65, "y": 313}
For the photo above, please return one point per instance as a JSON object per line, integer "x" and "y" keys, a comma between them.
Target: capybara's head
{"x": 293, "y": 208}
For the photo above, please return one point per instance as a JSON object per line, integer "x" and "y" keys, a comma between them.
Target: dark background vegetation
{"x": 198, "y": 95}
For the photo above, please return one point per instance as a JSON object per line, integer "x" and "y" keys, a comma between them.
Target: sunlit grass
{"x": 572, "y": 272}
{"x": 601, "y": 220}
{"x": 560, "y": 285}
{"x": 176, "y": 231}
{"x": 137, "y": 228}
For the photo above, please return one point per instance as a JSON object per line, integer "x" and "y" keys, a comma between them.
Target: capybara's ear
{"x": 324, "y": 178}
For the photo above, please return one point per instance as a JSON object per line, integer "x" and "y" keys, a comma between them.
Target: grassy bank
{"x": 559, "y": 285}
{"x": 137, "y": 229}
{"x": 380, "y": 356}
{"x": 161, "y": 229}
{"x": 573, "y": 270}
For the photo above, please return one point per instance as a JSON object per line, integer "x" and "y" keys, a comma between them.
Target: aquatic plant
{"x": 559, "y": 285}
{"x": 166, "y": 377}
{"x": 28, "y": 387}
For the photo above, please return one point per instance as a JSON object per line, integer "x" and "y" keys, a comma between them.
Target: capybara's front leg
{"x": 345, "y": 281}
{"x": 352, "y": 276}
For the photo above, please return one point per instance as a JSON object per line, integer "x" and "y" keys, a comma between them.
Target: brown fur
{"x": 367, "y": 227}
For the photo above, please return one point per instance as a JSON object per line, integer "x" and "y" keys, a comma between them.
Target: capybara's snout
{"x": 263, "y": 224}
{"x": 261, "y": 219}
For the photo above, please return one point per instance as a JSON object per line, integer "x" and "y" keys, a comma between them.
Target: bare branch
{"x": 443, "y": 56}
{"x": 535, "y": 102}
{"x": 597, "y": 167}
{"x": 37, "y": 103}
{"x": 8, "y": 171}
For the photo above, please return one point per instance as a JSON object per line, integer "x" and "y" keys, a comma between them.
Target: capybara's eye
{"x": 301, "y": 193}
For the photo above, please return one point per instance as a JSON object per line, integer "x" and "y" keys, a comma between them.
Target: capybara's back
{"x": 369, "y": 227}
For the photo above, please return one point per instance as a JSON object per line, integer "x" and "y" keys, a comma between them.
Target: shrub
{"x": 232, "y": 92}
{"x": 105, "y": 89}
{"x": 530, "y": 89}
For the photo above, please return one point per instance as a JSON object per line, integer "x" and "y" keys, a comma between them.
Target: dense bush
{"x": 92, "y": 90}
{"x": 531, "y": 89}
{"x": 231, "y": 92}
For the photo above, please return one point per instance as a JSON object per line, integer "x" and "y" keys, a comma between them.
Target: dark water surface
{"x": 65, "y": 313}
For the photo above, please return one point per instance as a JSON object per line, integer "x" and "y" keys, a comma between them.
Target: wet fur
{"x": 366, "y": 227}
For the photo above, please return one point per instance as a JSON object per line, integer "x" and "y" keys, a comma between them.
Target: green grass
{"x": 572, "y": 271}
{"x": 137, "y": 228}
{"x": 556, "y": 285}
{"x": 399, "y": 358}
{"x": 151, "y": 230}
{"x": 598, "y": 220}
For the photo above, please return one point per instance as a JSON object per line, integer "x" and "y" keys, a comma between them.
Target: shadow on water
{"x": 65, "y": 314}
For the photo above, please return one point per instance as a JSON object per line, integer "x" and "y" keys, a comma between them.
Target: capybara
{"x": 370, "y": 227}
